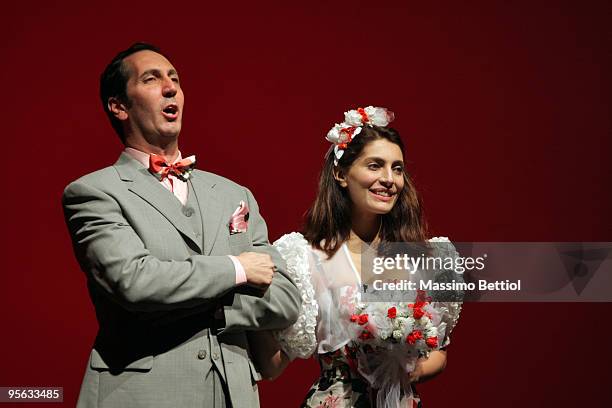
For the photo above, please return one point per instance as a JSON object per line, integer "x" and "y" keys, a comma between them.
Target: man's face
{"x": 154, "y": 97}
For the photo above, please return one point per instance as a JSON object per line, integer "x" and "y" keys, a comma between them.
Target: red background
{"x": 505, "y": 110}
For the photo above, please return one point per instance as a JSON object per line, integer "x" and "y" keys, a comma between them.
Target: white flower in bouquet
{"x": 398, "y": 334}
{"x": 399, "y": 323}
{"x": 385, "y": 334}
{"x": 409, "y": 325}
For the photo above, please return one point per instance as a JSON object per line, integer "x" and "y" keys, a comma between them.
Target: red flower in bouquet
{"x": 417, "y": 312}
{"x": 432, "y": 342}
{"x": 414, "y": 336}
{"x": 392, "y": 313}
{"x": 363, "y": 319}
{"x": 354, "y": 318}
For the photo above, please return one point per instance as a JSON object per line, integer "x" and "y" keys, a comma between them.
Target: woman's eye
{"x": 398, "y": 169}
{"x": 148, "y": 79}
{"x": 373, "y": 166}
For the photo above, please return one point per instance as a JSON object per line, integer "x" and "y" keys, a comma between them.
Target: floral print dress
{"x": 341, "y": 386}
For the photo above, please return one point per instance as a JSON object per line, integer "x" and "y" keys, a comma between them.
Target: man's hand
{"x": 259, "y": 268}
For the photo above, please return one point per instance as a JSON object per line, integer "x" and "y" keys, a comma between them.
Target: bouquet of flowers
{"x": 413, "y": 323}
{"x": 390, "y": 337}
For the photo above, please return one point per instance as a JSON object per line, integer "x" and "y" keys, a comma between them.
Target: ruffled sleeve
{"x": 300, "y": 339}
{"x": 449, "y": 304}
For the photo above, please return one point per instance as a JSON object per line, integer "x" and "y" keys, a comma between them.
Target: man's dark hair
{"x": 113, "y": 82}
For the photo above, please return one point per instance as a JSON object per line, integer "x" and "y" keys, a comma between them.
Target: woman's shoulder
{"x": 442, "y": 245}
{"x": 295, "y": 241}
{"x": 439, "y": 239}
{"x": 291, "y": 238}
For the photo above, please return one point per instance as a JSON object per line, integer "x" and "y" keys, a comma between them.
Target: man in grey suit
{"x": 176, "y": 268}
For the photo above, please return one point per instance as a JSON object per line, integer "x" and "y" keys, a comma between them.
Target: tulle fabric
{"x": 330, "y": 290}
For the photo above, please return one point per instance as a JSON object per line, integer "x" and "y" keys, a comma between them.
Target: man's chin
{"x": 170, "y": 132}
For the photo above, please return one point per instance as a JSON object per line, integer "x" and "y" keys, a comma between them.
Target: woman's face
{"x": 375, "y": 178}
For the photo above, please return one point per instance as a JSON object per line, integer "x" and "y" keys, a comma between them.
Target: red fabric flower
{"x": 432, "y": 342}
{"x": 392, "y": 313}
{"x": 414, "y": 336}
{"x": 417, "y": 312}
{"x": 354, "y": 318}
{"x": 364, "y": 115}
{"x": 363, "y": 319}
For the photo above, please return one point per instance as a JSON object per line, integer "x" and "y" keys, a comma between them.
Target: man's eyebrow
{"x": 153, "y": 71}
{"x": 157, "y": 72}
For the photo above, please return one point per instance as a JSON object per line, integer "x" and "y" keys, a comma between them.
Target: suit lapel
{"x": 144, "y": 185}
{"x": 211, "y": 209}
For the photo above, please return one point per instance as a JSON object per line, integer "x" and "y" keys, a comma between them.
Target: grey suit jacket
{"x": 166, "y": 301}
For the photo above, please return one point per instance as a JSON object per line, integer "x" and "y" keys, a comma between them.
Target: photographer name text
{"x": 405, "y": 285}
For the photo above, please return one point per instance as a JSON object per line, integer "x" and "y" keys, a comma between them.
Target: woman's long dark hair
{"x": 328, "y": 221}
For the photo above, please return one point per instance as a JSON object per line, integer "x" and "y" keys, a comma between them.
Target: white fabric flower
{"x": 343, "y": 133}
{"x": 399, "y": 323}
{"x": 398, "y": 334}
{"x": 340, "y": 134}
{"x": 385, "y": 334}
{"x": 377, "y": 116}
{"x": 409, "y": 323}
{"x": 353, "y": 118}
{"x": 334, "y": 134}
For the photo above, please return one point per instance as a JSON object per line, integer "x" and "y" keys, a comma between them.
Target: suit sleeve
{"x": 279, "y": 306}
{"x": 115, "y": 258}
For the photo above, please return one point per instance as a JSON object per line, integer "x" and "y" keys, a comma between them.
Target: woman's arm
{"x": 268, "y": 356}
{"x": 428, "y": 367}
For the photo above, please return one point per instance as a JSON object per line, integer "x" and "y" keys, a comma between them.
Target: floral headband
{"x": 343, "y": 133}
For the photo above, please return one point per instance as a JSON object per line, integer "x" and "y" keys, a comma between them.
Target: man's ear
{"x": 117, "y": 108}
{"x": 340, "y": 177}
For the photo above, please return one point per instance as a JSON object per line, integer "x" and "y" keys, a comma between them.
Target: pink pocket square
{"x": 239, "y": 219}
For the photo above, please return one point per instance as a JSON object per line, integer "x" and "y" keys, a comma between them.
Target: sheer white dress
{"x": 330, "y": 291}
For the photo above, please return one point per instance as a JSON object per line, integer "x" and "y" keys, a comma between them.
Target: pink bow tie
{"x": 161, "y": 169}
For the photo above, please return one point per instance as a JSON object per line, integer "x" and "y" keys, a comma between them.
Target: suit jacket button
{"x": 202, "y": 354}
{"x": 188, "y": 211}
{"x": 215, "y": 356}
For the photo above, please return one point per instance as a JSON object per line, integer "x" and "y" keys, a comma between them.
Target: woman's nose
{"x": 386, "y": 178}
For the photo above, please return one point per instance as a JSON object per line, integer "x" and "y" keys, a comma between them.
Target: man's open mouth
{"x": 170, "y": 111}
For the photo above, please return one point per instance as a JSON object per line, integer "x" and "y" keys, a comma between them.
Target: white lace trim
{"x": 299, "y": 340}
